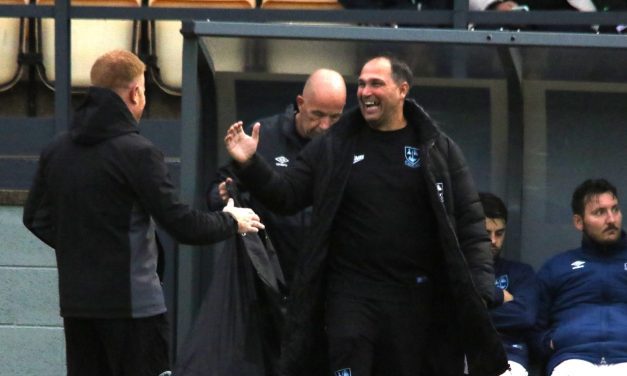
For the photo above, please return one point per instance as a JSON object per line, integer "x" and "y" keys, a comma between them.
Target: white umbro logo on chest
{"x": 281, "y": 161}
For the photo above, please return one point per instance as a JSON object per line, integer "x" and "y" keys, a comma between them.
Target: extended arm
{"x": 151, "y": 181}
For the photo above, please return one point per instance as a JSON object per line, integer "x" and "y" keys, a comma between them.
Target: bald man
{"x": 321, "y": 103}
{"x": 282, "y": 136}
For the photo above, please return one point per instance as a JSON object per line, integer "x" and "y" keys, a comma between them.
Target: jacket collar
{"x": 288, "y": 126}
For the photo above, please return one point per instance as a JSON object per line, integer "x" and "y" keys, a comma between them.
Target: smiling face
{"x": 380, "y": 96}
{"x": 602, "y": 219}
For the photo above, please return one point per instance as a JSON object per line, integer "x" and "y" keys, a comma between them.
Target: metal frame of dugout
{"x": 199, "y": 120}
{"x": 199, "y": 156}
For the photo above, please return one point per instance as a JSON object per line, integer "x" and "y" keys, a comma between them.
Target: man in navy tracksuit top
{"x": 583, "y": 292}
{"x": 515, "y": 290}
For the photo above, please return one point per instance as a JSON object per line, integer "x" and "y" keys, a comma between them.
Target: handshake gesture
{"x": 247, "y": 220}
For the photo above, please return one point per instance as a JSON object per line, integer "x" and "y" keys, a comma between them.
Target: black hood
{"x": 103, "y": 115}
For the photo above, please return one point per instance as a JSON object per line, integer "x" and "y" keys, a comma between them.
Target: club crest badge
{"x": 412, "y": 157}
{"x": 502, "y": 282}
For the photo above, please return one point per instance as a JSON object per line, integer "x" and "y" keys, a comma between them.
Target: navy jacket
{"x": 514, "y": 320}
{"x": 583, "y": 304}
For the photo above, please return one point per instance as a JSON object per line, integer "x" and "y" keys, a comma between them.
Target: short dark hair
{"x": 493, "y": 206}
{"x": 401, "y": 72}
{"x": 588, "y": 189}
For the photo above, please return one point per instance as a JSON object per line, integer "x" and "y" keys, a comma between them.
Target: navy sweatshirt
{"x": 514, "y": 320}
{"x": 583, "y": 304}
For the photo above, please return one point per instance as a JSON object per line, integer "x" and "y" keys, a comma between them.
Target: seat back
{"x": 301, "y": 4}
{"x": 167, "y": 42}
{"x": 12, "y": 39}
{"x": 90, "y": 39}
{"x": 283, "y": 56}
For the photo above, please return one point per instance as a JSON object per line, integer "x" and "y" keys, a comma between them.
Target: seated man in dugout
{"x": 583, "y": 292}
{"x": 515, "y": 290}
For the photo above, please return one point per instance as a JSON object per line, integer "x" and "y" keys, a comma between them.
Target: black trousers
{"x": 117, "y": 347}
{"x": 378, "y": 336}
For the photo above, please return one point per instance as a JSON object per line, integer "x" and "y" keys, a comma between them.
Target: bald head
{"x": 321, "y": 103}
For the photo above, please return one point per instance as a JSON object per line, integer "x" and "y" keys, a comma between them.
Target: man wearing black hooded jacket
{"x": 97, "y": 194}
{"x": 397, "y": 274}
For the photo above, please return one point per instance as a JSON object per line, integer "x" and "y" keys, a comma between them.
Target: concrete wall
{"x": 31, "y": 331}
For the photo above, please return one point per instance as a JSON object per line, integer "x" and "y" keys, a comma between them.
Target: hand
{"x": 241, "y": 146}
{"x": 507, "y": 297}
{"x": 223, "y": 191}
{"x": 247, "y": 220}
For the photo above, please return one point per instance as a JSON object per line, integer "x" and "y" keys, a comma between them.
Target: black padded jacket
{"x": 96, "y": 196}
{"x": 319, "y": 176}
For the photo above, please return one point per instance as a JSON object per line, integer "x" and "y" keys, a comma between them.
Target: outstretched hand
{"x": 241, "y": 146}
{"x": 247, "y": 220}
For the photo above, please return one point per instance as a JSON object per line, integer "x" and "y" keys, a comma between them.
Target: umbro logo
{"x": 358, "y": 158}
{"x": 578, "y": 264}
{"x": 281, "y": 161}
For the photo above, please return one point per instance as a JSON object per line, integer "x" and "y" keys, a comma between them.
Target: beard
{"x": 605, "y": 237}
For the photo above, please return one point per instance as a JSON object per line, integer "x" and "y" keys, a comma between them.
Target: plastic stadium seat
{"x": 167, "y": 43}
{"x": 281, "y": 56}
{"x": 301, "y": 4}
{"x": 12, "y": 37}
{"x": 90, "y": 39}
{"x": 243, "y": 4}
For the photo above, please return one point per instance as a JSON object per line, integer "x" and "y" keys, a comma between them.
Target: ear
{"x": 133, "y": 95}
{"x": 299, "y": 101}
{"x": 404, "y": 89}
{"x": 578, "y": 222}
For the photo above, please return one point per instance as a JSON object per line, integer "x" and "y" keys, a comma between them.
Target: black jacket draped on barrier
{"x": 237, "y": 330}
